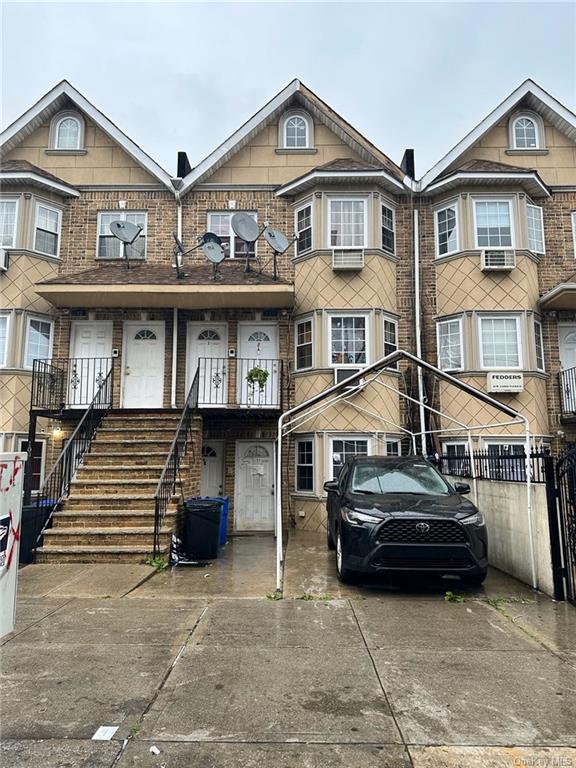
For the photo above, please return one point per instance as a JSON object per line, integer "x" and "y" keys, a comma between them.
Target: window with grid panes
{"x": 303, "y": 229}
{"x": 304, "y": 344}
{"x": 304, "y": 465}
{"x": 221, "y": 224}
{"x": 348, "y": 340}
{"x": 109, "y": 247}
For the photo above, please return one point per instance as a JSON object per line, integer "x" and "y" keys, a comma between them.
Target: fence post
{"x": 554, "y": 528}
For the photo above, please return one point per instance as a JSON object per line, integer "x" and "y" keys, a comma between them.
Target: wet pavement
{"x": 201, "y": 665}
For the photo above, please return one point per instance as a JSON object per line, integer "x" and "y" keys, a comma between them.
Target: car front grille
{"x": 418, "y": 531}
{"x": 445, "y": 563}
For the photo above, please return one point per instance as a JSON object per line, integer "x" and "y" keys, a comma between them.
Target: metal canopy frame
{"x": 296, "y": 417}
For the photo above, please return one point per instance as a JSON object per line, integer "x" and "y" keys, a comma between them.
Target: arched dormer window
{"x": 296, "y": 131}
{"x": 67, "y": 132}
{"x": 526, "y": 132}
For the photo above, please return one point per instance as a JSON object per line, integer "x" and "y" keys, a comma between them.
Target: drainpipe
{"x": 418, "y": 323}
{"x": 175, "y": 309}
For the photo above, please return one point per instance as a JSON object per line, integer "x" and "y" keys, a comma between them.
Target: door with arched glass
{"x": 254, "y": 493}
{"x": 207, "y": 356}
{"x": 258, "y": 349}
{"x": 143, "y": 365}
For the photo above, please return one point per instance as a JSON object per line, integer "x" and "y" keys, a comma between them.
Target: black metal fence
{"x": 239, "y": 382}
{"x": 57, "y": 485}
{"x": 497, "y": 466}
{"x": 567, "y": 384}
{"x": 170, "y": 474}
{"x": 68, "y": 382}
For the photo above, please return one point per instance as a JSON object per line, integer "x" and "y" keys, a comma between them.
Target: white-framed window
{"x": 446, "y": 229}
{"x": 573, "y": 216}
{"x": 456, "y": 461}
{"x": 8, "y": 222}
{"x": 535, "y": 226}
{"x": 68, "y": 133}
{"x": 344, "y": 447}
{"x": 296, "y": 131}
{"x": 505, "y": 460}
{"x": 500, "y": 344}
{"x": 303, "y": 228}
{"x": 493, "y": 223}
{"x": 525, "y": 133}
{"x": 4, "y": 336}
{"x": 304, "y": 343}
{"x": 38, "y": 345}
{"x": 388, "y": 228}
{"x": 47, "y": 229}
{"x": 450, "y": 344}
{"x": 539, "y": 345}
{"x": 109, "y": 247}
{"x": 347, "y": 222}
{"x": 220, "y": 223}
{"x": 348, "y": 339}
{"x": 393, "y": 446}
{"x": 304, "y": 455}
{"x": 38, "y": 460}
{"x": 390, "y": 337}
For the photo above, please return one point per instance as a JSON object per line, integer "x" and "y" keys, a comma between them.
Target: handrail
{"x": 57, "y": 485}
{"x": 489, "y": 465}
{"x": 67, "y": 382}
{"x": 567, "y": 386}
{"x": 169, "y": 477}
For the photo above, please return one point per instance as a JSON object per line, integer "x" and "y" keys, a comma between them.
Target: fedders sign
{"x": 505, "y": 381}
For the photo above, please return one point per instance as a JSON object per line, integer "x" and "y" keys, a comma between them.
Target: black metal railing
{"x": 57, "y": 485}
{"x": 228, "y": 382}
{"x": 489, "y": 465}
{"x": 567, "y": 385}
{"x": 170, "y": 474}
{"x": 67, "y": 382}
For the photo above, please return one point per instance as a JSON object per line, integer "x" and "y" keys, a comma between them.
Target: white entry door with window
{"x": 207, "y": 355}
{"x": 212, "y": 476}
{"x": 143, "y": 365}
{"x": 254, "y": 494}
{"x": 90, "y": 353}
{"x": 258, "y": 349}
{"x": 567, "y": 339}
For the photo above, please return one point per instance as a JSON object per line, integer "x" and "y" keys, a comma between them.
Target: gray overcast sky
{"x": 186, "y": 75}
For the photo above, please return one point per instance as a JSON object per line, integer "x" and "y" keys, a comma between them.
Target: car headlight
{"x": 475, "y": 519}
{"x": 354, "y": 517}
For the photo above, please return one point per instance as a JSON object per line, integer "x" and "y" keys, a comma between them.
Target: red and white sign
{"x": 11, "y": 478}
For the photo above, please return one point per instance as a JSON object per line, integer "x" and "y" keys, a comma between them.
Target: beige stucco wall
{"x": 103, "y": 163}
{"x": 259, "y": 163}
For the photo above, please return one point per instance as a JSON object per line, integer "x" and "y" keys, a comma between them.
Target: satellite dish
{"x": 125, "y": 231}
{"x": 210, "y": 237}
{"x": 213, "y": 252}
{"x": 245, "y": 227}
{"x": 276, "y": 240}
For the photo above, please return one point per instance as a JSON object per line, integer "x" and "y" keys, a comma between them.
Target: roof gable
{"x": 295, "y": 94}
{"x": 532, "y": 96}
{"x": 59, "y": 98}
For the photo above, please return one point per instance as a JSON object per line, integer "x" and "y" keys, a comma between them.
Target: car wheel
{"x": 476, "y": 579}
{"x": 345, "y": 575}
{"x": 329, "y": 538}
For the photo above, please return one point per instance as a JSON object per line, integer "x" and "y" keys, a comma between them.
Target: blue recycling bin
{"x": 224, "y": 500}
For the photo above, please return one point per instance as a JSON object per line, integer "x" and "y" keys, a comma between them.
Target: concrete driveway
{"x": 205, "y": 669}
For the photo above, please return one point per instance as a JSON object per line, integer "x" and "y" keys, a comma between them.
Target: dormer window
{"x": 296, "y": 129}
{"x": 67, "y": 132}
{"x": 526, "y": 132}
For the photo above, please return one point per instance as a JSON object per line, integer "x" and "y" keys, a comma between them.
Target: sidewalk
{"x": 380, "y": 677}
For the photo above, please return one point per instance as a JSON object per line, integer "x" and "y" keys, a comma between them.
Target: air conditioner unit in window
{"x": 341, "y": 374}
{"x": 4, "y": 260}
{"x": 347, "y": 259}
{"x": 497, "y": 261}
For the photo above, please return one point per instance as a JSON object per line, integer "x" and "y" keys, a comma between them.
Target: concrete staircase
{"x": 109, "y": 514}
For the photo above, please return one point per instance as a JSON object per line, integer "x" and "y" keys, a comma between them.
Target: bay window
{"x": 500, "y": 345}
{"x": 493, "y": 223}
{"x": 303, "y": 228}
{"x": 109, "y": 247}
{"x": 38, "y": 340}
{"x": 390, "y": 338}
{"x": 348, "y": 340}
{"x": 344, "y": 448}
{"x": 446, "y": 230}
{"x": 388, "y": 229}
{"x": 535, "y": 226}
{"x": 539, "y": 345}
{"x": 305, "y": 465}
{"x": 304, "y": 344}
{"x": 347, "y": 223}
{"x": 234, "y": 248}
{"x": 47, "y": 229}
{"x": 449, "y": 340}
{"x": 4, "y": 321}
{"x": 8, "y": 219}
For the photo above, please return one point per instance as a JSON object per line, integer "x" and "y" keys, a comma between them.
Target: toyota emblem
{"x": 422, "y": 527}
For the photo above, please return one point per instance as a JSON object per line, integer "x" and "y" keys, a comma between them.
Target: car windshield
{"x": 418, "y": 478}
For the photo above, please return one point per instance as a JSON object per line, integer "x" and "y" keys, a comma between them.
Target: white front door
{"x": 258, "y": 349}
{"x": 90, "y": 353}
{"x": 254, "y": 495}
{"x": 212, "y": 477}
{"x": 567, "y": 339}
{"x": 143, "y": 376}
{"x": 207, "y": 354}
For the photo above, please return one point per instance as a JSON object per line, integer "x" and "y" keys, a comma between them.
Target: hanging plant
{"x": 257, "y": 376}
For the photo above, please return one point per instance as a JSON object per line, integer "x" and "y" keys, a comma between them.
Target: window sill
{"x": 515, "y": 152}
{"x": 295, "y": 151}
{"x": 65, "y": 151}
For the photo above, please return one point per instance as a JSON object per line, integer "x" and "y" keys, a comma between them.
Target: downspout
{"x": 175, "y": 309}
{"x": 418, "y": 324}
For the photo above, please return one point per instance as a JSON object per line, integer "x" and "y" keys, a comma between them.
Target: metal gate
{"x": 566, "y": 484}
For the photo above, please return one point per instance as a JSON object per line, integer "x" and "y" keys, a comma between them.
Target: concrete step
{"x": 112, "y": 458}
{"x": 135, "y": 433}
{"x": 110, "y": 518}
{"x": 102, "y": 537}
{"x": 96, "y": 471}
{"x": 128, "y": 445}
{"x": 124, "y": 485}
{"x": 104, "y": 554}
{"x": 108, "y": 501}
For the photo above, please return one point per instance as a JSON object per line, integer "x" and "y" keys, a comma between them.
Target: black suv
{"x": 392, "y": 514}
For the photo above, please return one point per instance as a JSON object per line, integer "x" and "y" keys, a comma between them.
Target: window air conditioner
{"x": 4, "y": 260}
{"x": 497, "y": 261}
{"x": 347, "y": 259}
{"x": 341, "y": 374}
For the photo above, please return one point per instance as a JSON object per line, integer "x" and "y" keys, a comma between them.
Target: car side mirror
{"x": 462, "y": 488}
{"x": 331, "y": 486}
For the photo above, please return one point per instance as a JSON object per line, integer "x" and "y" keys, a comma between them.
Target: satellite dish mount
{"x": 127, "y": 233}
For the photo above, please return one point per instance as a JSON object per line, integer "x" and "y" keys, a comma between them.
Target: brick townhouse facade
{"x": 493, "y": 223}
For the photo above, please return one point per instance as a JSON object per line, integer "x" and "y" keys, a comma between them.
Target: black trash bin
{"x": 33, "y": 520}
{"x": 201, "y": 529}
